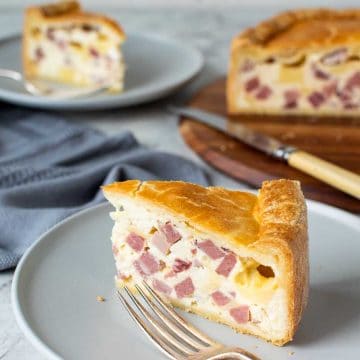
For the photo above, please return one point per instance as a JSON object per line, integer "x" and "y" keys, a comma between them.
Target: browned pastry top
{"x": 306, "y": 28}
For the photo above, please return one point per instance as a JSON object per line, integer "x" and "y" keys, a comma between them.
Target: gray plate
{"x": 156, "y": 66}
{"x": 57, "y": 281}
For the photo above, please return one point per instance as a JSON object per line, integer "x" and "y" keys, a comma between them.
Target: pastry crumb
{"x": 100, "y": 298}
{"x": 291, "y": 353}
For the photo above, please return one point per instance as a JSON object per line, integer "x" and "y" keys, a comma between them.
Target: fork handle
{"x": 327, "y": 172}
{"x": 225, "y": 353}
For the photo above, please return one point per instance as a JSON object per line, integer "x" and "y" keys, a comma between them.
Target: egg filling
{"x": 194, "y": 272}
{"x": 79, "y": 54}
{"x": 328, "y": 81}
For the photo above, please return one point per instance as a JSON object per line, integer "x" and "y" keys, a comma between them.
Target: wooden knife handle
{"x": 327, "y": 172}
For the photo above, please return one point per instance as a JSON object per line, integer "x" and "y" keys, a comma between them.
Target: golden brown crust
{"x": 283, "y": 228}
{"x": 214, "y": 209}
{"x": 70, "y": 12}
{"x": 59, "y": 8}
{"x": 303, "y": 28}
{"x": 273, "y": 224}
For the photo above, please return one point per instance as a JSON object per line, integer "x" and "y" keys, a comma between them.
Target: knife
{"x": 325, "y": 171}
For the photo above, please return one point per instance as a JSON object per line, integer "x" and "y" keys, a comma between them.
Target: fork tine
{"x": 179, "y": 320}
{"x": 155, "y": 338}
{"x": 175, "y": 328}
{"x": 162, "y": 331}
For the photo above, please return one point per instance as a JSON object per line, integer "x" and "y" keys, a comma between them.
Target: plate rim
{"x": 340, "y": 215}
{"x": 197, "y": 65}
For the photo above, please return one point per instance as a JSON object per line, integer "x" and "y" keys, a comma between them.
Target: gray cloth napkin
{"x": 51, "y": 168}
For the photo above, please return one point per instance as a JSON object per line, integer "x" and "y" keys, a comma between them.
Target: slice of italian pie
{"x": 298, "y": 62}
{"x": 62, "y": 43}
{"x": 229, "y": 256}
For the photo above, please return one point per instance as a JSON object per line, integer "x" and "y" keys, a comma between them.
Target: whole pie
{"x": 63, "y": 43}
{"x": 299, "y": 62}
{"x": 230, "y": 256}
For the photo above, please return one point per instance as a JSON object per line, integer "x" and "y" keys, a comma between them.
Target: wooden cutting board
{"x": 333, "y": 139}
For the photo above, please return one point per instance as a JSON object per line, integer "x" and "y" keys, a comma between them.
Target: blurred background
{"x": 264, "y": 4}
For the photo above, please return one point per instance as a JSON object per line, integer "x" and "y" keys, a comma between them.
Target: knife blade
{"x": 325, "y": 171}
{"x": 255, "y": 139}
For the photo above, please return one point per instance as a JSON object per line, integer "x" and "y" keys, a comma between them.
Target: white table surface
{"x": 208, "y": 30}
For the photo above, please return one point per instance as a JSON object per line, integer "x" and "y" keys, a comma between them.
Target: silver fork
{"x": 51, "y": 92}
{"x": 171, "y": 333}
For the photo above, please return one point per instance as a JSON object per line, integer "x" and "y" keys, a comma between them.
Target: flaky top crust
{"x": 71, "y": 12}
{"x": 213, "y": 208}
{"x": 239, "y": 216}
{"x": 303, "y": 29}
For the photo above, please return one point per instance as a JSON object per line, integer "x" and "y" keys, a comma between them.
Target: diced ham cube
{"x": 335, "y": 57}
{"x": 184, "y": 288}
{"x": 226, "y": 265}
{"x": 146, "y": 264}
{"x": 139, "y": 268}
{"x": 252, "y": 84}
{"x": 159, "y": 240}
{"x": 247, "y": 66}
{"x": 160, "y": 286}
{"x": 136, "y": 242}
{"x": 180, "y": 265}
{"x": 61, "y": 44}
{"x": 263, "y": 93}
{"x": 220, "y": 298}
{"x": 170, "y": 232}
{"x": 350, "y": 106}
{"x": 329, "y": 89}
{"x": 316, "y": 99}
{"x": 94, "y": 53}
{"x": 50, "y": 34}
{"x": 353, "y": 81}
{"x": 240, "y": 314}
{"x": 210, "y": 249}
{"x": 291, "y": 105}
{"x": 194, "y": 251}
{"x": 319, "y": 74}
{"x": 291, "y": 95}
{"x": 291, "y": 98}
{"x": 39, "y": 54}
{"x": 344, "y": 96}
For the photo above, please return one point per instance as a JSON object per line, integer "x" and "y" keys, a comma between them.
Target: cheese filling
{"x": 328, "y": 81}
{"x": 77, "y": 54}
{"x": 192, "y": 271}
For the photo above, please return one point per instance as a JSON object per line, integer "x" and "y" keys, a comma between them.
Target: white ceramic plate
{"x": 156, "y": 66}
{"x": 57, "y": 281}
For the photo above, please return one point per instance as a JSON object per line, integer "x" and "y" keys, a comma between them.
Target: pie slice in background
{"x": 298, "y": 62}
{"x": 63, "y": 43}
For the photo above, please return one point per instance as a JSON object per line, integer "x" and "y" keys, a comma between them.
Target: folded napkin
{"x": 51, "y": 168}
